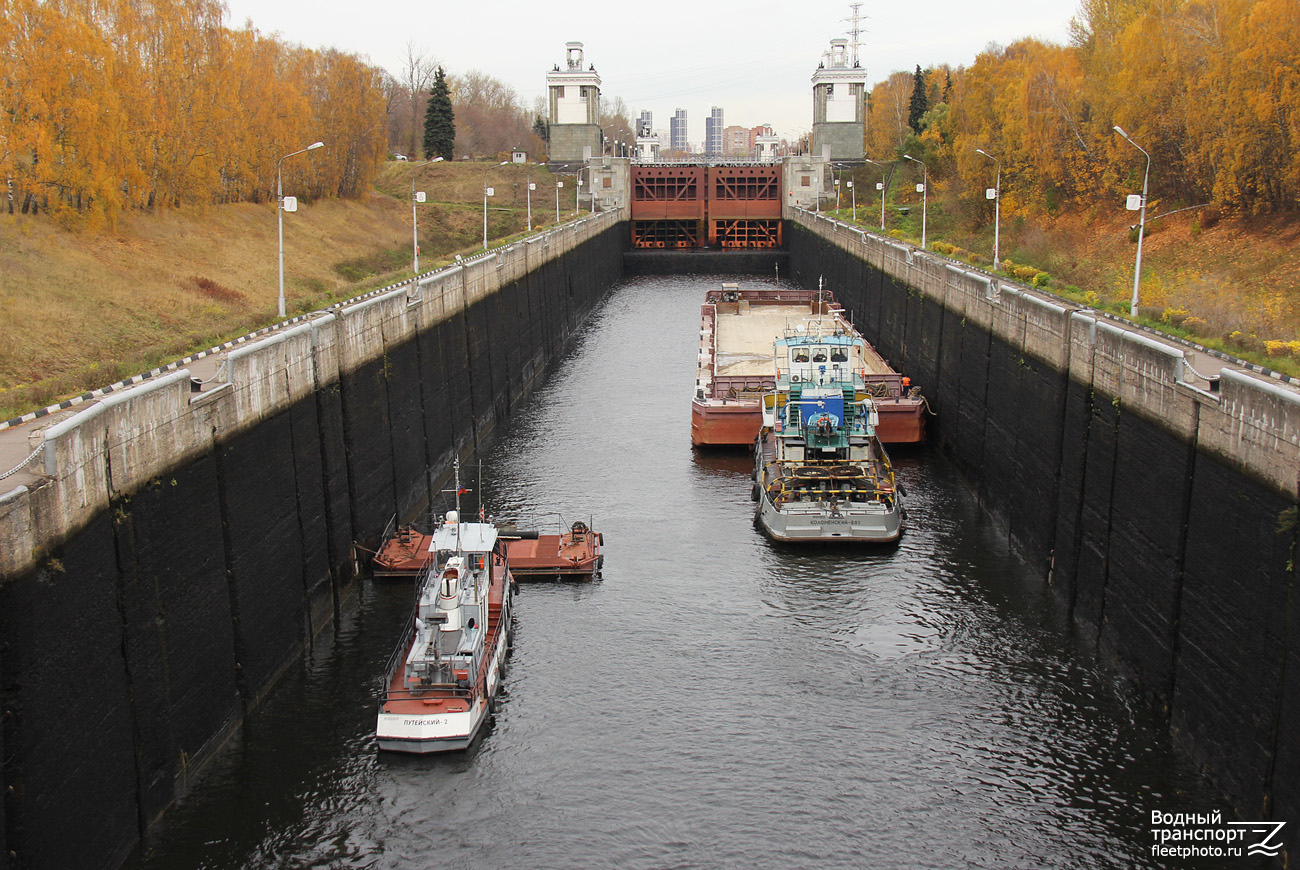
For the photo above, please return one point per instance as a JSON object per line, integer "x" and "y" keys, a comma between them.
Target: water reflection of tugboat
{"x": 820, "y": 472}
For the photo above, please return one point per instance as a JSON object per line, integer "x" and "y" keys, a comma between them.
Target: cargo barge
{"x": 735, "y": 366}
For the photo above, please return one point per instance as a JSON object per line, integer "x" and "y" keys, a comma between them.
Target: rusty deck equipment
{"x": 574, "y": 554}
{"x": 403, "y": 553}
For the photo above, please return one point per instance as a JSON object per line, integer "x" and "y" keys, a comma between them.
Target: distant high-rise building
{"x": 648, "y": 145}
{"x": 677, "y": 133}
{"x": 713, "y": 133}
{"x": 736, "y": 143}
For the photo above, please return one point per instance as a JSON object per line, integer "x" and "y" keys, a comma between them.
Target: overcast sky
{"x": 755, "y": 60}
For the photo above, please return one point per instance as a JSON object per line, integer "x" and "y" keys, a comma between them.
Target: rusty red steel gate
{"x": 736, "y": 206}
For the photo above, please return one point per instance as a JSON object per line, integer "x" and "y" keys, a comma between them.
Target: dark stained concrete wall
{"x": 133, "y": 643}
{"x": 1162, "y": 514}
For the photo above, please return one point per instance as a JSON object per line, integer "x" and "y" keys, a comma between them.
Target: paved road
{"x": 17, "y": 443}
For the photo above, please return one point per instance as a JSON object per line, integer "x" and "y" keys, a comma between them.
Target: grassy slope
{"x": 81, "y": 310}
{"x": 1233, "y": 285}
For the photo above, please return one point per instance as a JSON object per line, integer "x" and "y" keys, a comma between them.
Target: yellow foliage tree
{"x": 156, "y": 103}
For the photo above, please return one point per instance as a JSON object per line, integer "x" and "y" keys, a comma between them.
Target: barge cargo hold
{"x": 735, "y": 368}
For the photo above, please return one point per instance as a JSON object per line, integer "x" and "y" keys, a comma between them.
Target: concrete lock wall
{"x": 186, "y": 547}
{"x": 1162, "y": 513}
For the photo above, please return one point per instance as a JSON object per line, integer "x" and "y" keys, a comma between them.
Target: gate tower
{"x": 574, "y": 115}
{"x": 839, "y": 105}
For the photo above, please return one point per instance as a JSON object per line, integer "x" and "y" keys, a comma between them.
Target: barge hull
{"x": 736, "y": 424}
{"x": 715, "y": 424}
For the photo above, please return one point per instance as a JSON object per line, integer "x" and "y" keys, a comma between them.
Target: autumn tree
{"x": 417, "y": 74}
{"x": 491, "y": 120}
{"x": 112, "y": 104}
{"x": 887, "y": 126}
{"x": 439, "y": 120}
{"x": 616, "y": 120}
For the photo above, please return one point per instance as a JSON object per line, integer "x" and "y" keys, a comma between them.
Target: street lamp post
{"x": 925, "y": 194}
{"x": 1142, "y": 222}
{"x": 558, "y": 185}
{"x": 853, "y": 195}
{"x": 487, "y": 191}
{"x": 997, "y": 205}
{"x": 577, "y": 197}
{"x": 415, "y": 230}
{"x": 279, "y": 211}
{"x": 880, "y": 186}
{"x": 531, "y": 187}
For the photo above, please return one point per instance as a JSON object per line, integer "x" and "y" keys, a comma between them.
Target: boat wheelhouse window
{"x": 838, "y": 355}
{"x": 801, "y": 354}
{"x": 819, "y": 354}
{"x": 476, "y": 561}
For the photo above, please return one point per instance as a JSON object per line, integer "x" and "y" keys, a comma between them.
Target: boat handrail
{"x": 450, "y": 690}
{"x": 398, "y": 657}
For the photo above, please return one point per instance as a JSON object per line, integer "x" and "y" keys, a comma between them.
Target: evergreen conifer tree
{"x": 917, "y": 106}
{"x": 439, "y": 120}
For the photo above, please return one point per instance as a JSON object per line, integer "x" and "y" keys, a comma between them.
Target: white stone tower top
{"x": 574, "y": 91}
{"x": 838, "y": 86}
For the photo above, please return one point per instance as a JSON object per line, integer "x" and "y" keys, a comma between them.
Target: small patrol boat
{"x": 820, "y": 471}
{"x": 442, "y": 681}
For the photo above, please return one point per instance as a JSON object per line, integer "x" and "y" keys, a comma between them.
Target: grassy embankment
{"x": 82, "y": 310}
{"x": 1232, "y": 284}
{"x": 79, "y": 311}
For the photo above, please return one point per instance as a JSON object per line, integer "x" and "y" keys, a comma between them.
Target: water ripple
{"x": 716, "y": 701}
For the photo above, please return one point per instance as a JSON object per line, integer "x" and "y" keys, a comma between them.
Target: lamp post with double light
{"x": 1142, "y": 220}
{"x": 280, "y": 210}
{"x": 487, "y": 191}
{"x": 531, "y": 187}
{"x": 417, "y": 197}
{"x": 880, "y": 186}
{"x": 996, "y": 190}
{"x": 924, "y": 189}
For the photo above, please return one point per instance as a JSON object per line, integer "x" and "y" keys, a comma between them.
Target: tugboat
{"x": 441, "y": 682}
{"x": 820, "y": 472}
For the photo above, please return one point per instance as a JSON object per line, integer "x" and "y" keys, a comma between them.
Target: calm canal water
{"x": 715, "y": 701}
